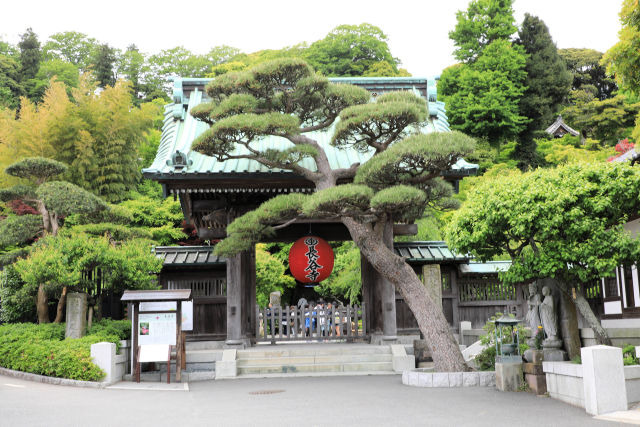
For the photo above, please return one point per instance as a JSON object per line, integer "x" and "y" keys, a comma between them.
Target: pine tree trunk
{"x": 60, "y": 309}
{"x": 46, "y": 221}
{"x": 42, "y": 305}
{"x": 54, "y": 224}
{"x": 431, "y": 321}
{"x": 587, "y": 314}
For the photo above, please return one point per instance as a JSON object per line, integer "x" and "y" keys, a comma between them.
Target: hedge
{"x": 43, "y": 349}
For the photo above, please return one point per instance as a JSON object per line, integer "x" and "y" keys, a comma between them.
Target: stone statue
{"x": 533, "y": 305}
{"x": 549, "y": 319}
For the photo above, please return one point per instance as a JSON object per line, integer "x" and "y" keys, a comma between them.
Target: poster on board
{"x": 156, "y": 328}
{"x": 187, "y": 311}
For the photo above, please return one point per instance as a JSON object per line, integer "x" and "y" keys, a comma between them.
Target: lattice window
{"x": 611, "y": 285}
{"x": 213, "y": 287}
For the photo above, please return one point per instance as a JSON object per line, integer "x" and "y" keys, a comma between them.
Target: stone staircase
{"x": 312, "y": 360}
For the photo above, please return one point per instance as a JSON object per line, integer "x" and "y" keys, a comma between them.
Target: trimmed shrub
{"x": 42, "y": 349}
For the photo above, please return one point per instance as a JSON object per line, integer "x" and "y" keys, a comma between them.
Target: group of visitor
{"x": 322, "y": 319}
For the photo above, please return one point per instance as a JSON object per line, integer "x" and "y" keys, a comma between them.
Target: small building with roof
{"x": 559, "y": 129}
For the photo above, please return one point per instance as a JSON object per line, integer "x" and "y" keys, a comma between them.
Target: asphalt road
{"x": 317, "y": 401}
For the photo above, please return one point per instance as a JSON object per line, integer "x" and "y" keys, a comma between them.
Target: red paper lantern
{"x": 311, "y": 259}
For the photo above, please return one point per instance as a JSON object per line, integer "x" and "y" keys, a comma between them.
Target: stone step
{"x": 203, "y": 356}
{"x": 334, "y": 358}
{"x": 161, "y": 376}
{"x": 258, "y": 353}
{"x": 204, "y": 345}
{"x": 316, "y": 367}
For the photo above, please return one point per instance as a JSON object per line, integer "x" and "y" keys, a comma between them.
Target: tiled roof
{"x": 188, "y": 255}
{"x": 180, "y": 129}
{"x": 427, "y": 252}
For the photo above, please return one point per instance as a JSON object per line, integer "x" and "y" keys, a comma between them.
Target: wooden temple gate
{"x": 213, "y": 193}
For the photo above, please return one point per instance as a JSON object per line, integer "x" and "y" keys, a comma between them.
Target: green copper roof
{"x": 180, "y": 129}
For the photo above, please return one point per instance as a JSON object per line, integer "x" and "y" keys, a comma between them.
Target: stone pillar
{"x": 76, "y": 323}
{"x": 508, "y": 376}
{"x": 432, "y": 279}
{"x": 103, "y": 354}
{"x": 603, "y": 380}
{"x": 388, "y": 294}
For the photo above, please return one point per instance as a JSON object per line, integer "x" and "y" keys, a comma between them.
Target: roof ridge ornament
{"x": 179, "y": 161}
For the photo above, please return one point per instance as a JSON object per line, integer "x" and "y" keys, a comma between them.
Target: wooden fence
{"x": 310, "y": 323}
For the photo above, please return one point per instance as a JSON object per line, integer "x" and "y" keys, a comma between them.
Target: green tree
{"x": 131, "y": 67}
{"x": 558, "y": 223}
{"x": 483, "y": 98}
{"x": 72, "y": 47}
{"x": 270, "y": 276}
{"x": 351, "y": 50}
{"x": 57, "y": 69}
{"x": 589, "y": 76}
{"x": 607, "y": 121}
{"x": 548, "y": 83}
{"x": 285, "y": 98}
{"x": 103, "y": 66}
{"x": 484, "y": 22}
{"x": 623, "y": 59}
{"x": 10, "y": 88}
{"x": 30, "y": 55}
{"x": 54, "y": 200}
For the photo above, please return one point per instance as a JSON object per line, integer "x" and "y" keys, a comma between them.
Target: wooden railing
{"x": 482, "y": 290}
{"x": 310, "y": 323}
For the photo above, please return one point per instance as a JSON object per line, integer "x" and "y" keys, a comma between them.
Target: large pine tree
{"x": 103, "y": 66}
{"x": 548, "y": 83}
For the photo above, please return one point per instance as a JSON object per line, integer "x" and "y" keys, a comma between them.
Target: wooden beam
{"x": 405, "y": 229}
{"x": 208, "y": 205}
{"x": 212, "y": 233}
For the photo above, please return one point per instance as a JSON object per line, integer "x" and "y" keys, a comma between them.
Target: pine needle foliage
{"x": 348, "y": 199}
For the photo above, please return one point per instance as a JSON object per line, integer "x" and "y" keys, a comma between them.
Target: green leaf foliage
{"x": 484, "y": 22}
{"x": 38, "y": 169}
{"x": 17, "y": 305}
{"x": 623, "y": 59}
{"x": 347, "y": 199}
{"x": 16, "y": 192}
{"x": 116, "y": 232}
{"x": 17, "y": 230}
{"x": 245, "y": 231}
{"x": 351, "y": 50}
{"x": 65, "y": 198}
{"x": 378, "y": 124}
{"x": 415, "y": 160}
{"x": 548, "y": 83}
{"x": 270, "y": 276}
{"x": 345, "y": 282}
{"x": 571, "y": 213}
{"x": 43, "y": 350}
{"x": 405, "y": 203}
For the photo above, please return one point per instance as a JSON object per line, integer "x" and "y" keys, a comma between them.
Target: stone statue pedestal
{"x": 508, "y": 376}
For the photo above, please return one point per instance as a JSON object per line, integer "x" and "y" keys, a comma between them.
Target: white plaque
{"x": 157, "y": 328}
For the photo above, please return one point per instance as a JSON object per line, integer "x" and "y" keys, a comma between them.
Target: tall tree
{"x": 30, "y": 55}
{"x": 286, "y": 98}
{"x": 72, "y": 47}
{"x": 351, "y": 50}
{"x": 589, "y": 75}
{"x": 103, "y": 66}
{"x": 484, "y": 22}
{"x": 482, "y": 94}
{"x": 10, "y": 88}
{"x": 558, "y": 223}
{"x": 623, "y": 59}
{"x": 483, "y": 98}
{"x": 57, "y": 69}
{"x": 132, "y": 63}
{"x": 548, "y": 83}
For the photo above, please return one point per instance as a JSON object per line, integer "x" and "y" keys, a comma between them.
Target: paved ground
{"x": 328, "y": 401}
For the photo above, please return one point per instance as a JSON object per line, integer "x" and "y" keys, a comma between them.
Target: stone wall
{"x": 632, "y": 383}
{"x": 564, "y": 382}
{"x": 619, "y": 336}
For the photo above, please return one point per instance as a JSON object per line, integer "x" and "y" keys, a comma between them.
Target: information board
{"x": 157, "y": 328}
{"x": 187, "y": 311}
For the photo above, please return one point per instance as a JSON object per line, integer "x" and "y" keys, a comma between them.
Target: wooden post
{"x": 388, "y": 294}
{"x": 134, "y": 349}
{"x": 370, "y": 296}
{"x": 234, "y": 300}
{"x": 179, "y": 342}
{"x": 184, "y": 351}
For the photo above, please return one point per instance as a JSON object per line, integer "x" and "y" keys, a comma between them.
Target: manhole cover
{"x": 266, "y": 392}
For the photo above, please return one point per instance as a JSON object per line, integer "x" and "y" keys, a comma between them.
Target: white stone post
{"x": 104, "y": 355}
{"x": 603, "y": 379}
